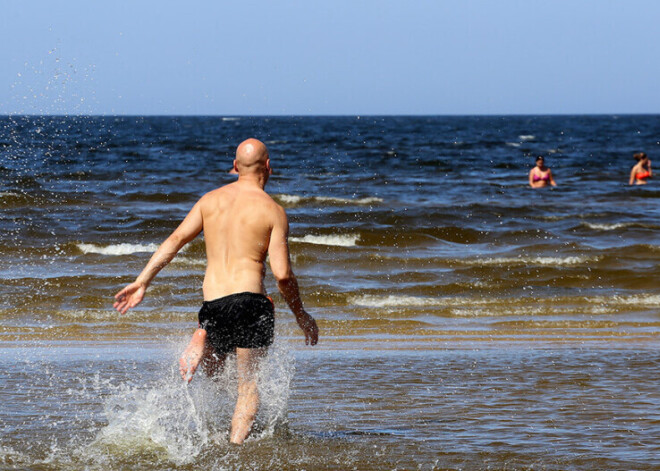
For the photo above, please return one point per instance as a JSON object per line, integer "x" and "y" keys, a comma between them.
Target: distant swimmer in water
{"x": 541, "y": 175}
{"x": 242, "y": 226}
{"x": 642, "y": 169}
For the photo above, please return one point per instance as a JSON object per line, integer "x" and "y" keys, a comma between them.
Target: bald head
{"x": 251, "y": 157}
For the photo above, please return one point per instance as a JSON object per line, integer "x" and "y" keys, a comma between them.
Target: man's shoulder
{"x": 220, "y": 192}
{"x": 230, "y": 191}
{"x": 275, "y": 211}
{"x": 273, "y": 207}
{"x": 266, "y": 199}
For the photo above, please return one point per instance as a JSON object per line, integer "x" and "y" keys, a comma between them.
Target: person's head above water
{"x": 640, "y": 156}
{"x": 252, "y": 159}
{"x": 540, "y": 161}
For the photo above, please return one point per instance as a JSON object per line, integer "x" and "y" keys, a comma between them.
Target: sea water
{"x": 467, "y": 321}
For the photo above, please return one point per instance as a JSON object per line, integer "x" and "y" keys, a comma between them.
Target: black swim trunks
{"x": 244, "y": 320}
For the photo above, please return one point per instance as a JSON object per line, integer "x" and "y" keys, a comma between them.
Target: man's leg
{"x": 199, "y": 351}
{"x": 212, "y": 361}
{"x": 192, "y": 355}
{"x": 247, "y": 404}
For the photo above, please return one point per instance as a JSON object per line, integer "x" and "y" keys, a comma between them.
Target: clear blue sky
{"x": 332, "y": 57}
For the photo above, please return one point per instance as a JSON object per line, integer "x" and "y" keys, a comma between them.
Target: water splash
{"x": 181, "y": 421}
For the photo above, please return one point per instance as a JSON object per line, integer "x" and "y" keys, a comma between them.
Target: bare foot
{"x": 192, "y": 355}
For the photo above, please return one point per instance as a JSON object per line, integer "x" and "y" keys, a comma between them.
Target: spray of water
{"x": 180, "y": 421}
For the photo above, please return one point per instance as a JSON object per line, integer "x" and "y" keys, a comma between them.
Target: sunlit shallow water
{"x": 504, "y": 406}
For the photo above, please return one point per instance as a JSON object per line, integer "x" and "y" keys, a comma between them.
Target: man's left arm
{"x": 133, "y": 294}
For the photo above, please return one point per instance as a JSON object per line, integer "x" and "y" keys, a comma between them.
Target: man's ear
{"x": 235, "y": 167}
{"x": 270, "y": 169}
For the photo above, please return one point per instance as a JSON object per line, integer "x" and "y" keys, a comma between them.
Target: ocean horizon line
{"x": 339, "y": 115}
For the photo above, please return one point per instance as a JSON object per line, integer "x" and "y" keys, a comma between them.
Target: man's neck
{"x": 253, "y": 180}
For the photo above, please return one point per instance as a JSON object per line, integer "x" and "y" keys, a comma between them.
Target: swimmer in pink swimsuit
{"x": 541, "y": 175}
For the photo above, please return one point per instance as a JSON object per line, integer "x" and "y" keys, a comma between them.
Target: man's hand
{"x": 129, "y": 297}
{"x": 309, "y": 327}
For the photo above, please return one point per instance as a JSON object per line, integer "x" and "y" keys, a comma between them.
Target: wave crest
{"x": 546, "y": 261}
{"x": 393, "y": 301}
{"x": 116, "y": 249}
{"x": 336, "y": 240}
{"x": 293, "y": 200}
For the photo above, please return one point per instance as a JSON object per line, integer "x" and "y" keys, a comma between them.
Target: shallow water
{"x": 467, "y": 321}
{"x": 463, "y": 407}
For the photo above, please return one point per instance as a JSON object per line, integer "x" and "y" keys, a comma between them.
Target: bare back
{"x": 238, "y": 220}
{"x": 242, "y": 225}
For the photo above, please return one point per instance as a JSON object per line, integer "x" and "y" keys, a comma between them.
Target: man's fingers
{"x": 187, "y": 368}
{"x": 125, "y": 304}
{"x": 121, "y": 295}
{"x": 185, "y": 375}
{"x": 311, "y": 337}
{"x": 126, "y": 298}
{"x": 183, "y": 369}
{"x": 313, "y": 333}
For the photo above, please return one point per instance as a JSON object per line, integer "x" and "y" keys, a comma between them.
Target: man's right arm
{"x": 280, "y": 264}
{"x": 133, "y": 294}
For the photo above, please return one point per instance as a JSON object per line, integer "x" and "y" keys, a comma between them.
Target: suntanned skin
{"x": 242, "y": 225}
{"x": 541, "y": 171}
{"x": 643, "y": 166}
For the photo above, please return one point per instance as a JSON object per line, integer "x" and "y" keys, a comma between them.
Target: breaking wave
{"x": 344, "y": 240}
{"x": 292, "y": 200}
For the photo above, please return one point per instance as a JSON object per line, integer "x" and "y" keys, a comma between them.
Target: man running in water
{"x": 242, "y": 225}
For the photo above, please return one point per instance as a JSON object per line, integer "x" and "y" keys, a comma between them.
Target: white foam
{"x": 9, "y": 455}
{"x": 191, "y": 262}
{"x": 116, "y": 249}
{"x": 547, "y": 261}
{"x": 104, "y": 314}
{"x": 332, "y": 199}
{"x": 290, "y": 199}
{"x": 497, "y": 309}
{"x": 369, "y": 300}
{"x": 526, "y": 137}
{"x": 607, "y": 227}
{"x": 640, "y": 300}
{"x": 231, "y": 119}
{"x": 520, "y": 306}
{"x": 162, "y": 417}
{"x": 343, "y": 240}
{"x": 179, "y": 420}
{"x": 393, "y": 301}
{"x": 513, "y": 144}
{"x": 295, "y": 199}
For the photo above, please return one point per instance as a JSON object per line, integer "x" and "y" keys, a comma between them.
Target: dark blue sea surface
{"x": 511, "y": 315}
